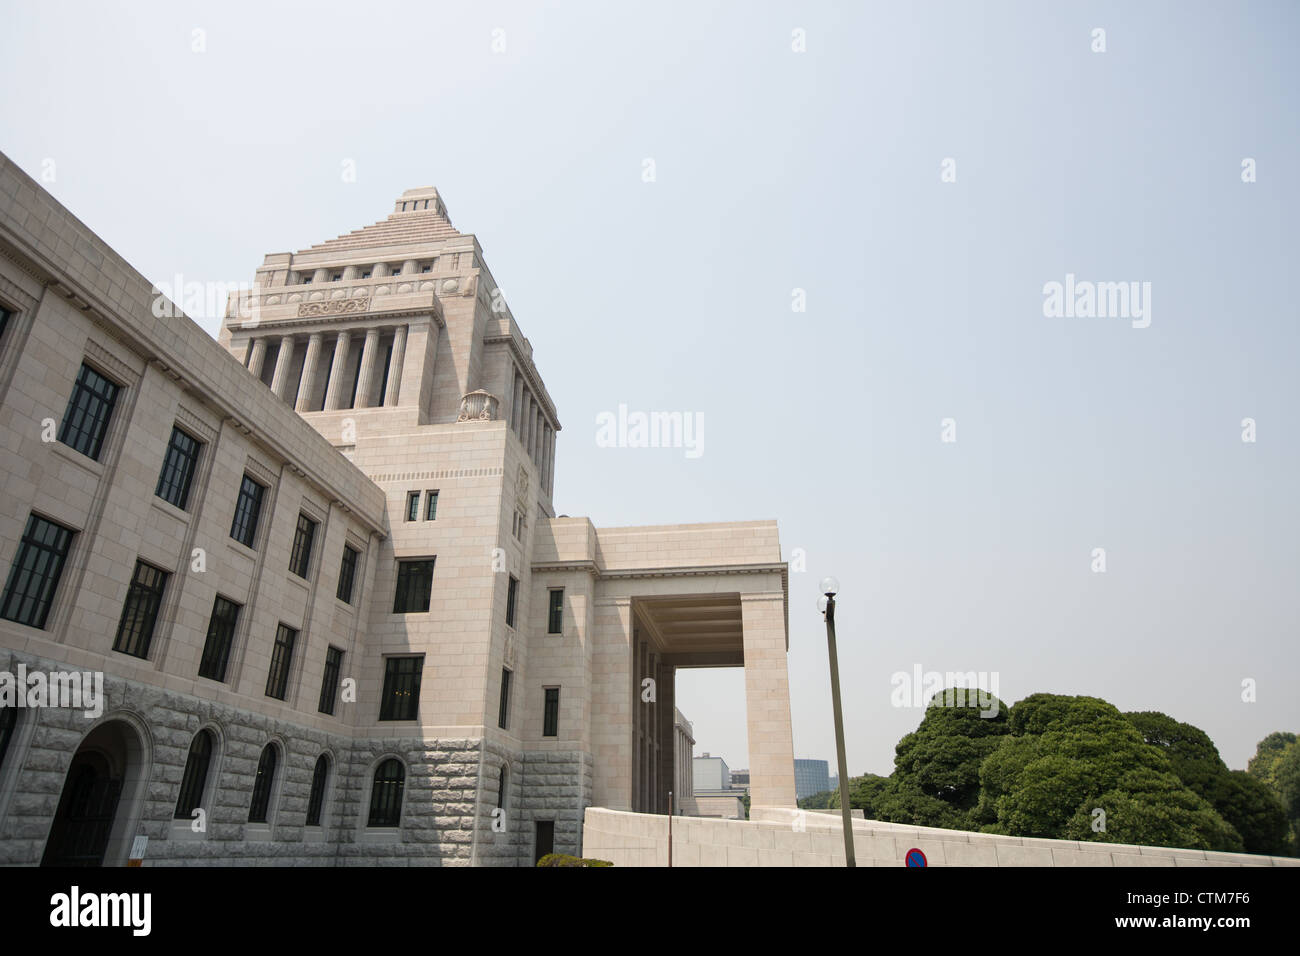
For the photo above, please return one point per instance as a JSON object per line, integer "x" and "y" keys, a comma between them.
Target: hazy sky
{"x": 776, "y": 170}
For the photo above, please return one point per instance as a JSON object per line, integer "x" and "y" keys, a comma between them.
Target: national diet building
{"x": 315, "y": 570}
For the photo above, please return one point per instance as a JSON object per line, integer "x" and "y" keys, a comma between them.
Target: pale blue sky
{"x": 818, "y": 170}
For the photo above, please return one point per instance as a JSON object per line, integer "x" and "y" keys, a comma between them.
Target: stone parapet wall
{"x": 781, "y": 837}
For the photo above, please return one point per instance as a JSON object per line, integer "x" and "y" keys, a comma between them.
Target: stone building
{"x": 317, "y": 566}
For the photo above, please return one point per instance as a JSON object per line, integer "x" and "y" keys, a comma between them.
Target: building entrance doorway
{"x": 87, "y": 824}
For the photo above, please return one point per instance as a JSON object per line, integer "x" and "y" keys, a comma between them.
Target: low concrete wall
{"x": 778, "y": 837}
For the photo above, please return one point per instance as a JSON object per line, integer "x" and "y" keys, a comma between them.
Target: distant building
{"x": 711, "y": 774}
{"x": 811, "y": 776}
{"x": 683, "y": 758}
{"x": 740, "y": 780}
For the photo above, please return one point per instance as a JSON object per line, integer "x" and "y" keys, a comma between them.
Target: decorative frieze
{"x": 334, "y": 307}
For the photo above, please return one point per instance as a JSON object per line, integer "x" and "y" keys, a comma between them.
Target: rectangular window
{"x": 512, "y": 590}
{"x": 413, "y": 506}
{"x": 4, "y": 319}
{"x": 140, "y": 613}
{"x": 551, "y": 715}
{"x": 365, "y": 274}
{"x": 35, "y": 574}
{"x": 329, "y": 685}
{"x": 401, "y": 698}
{"x": 431, "y": 505}
{"x": 414, "y": 585}
{"x": 277, "y": 679}
{"x": 338, "y": 277}
{"x": 503, "y": 716}
{"x": 89, "y": 409}
{"x": 247, "y": 509}
{"x": 221, "y": 634}
{"x": 347, "y": 574}
{"x": 178, "y": 469}
{"x": 306, "y": 280}
{"x": 303, "y": 536}
{"x": 555, "y": 617}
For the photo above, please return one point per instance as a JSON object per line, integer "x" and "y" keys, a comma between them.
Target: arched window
{"x": 316, "y": 802}
{"x": 196, "y": 775}
{"x": 262, "y": 786}
{"x": 386, "y": 794}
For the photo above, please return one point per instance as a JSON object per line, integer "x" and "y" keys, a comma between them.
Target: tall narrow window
{"x": 261, "y": 802}
{"x": 8, "y": 721}
{"x": 277, "y": 679}
{"x": 329, "y": 685}
{"x": 347, "y": 573}
{"x": 196, "y": 775}
{"x": 414, "y": 586}
{"x": 401, "y": 698}
{"x": 303, "y": 536}
{"x": 431, "y": 505}
{"x": 221, "y": 634}
{"x": 512, "y": 590}
{"x": 316, "y": 799}
{"x": 247, "y": 510}
{"x": 4, "y": 319}
{"x": 85, "y": 421}
{"x": 502, "y": 782}
{"x": 551, "y": 715}
{"x": 413, "y": 506}
{"x": 386, "y": 794}
{"x": 140, "y": 613}
{"x": 35, "y": 573}
{"x": 555, "y": 618}
{"x": 178, "y": 469}
{"x": 503, "y": 714}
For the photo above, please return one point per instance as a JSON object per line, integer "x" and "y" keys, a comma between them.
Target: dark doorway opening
{"x": 84, "y": 820}
{"x": 545, "y": 839}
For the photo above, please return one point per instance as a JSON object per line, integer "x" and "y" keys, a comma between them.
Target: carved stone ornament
{"x": 478, "y": 406}
{"x": 334, "y": 307}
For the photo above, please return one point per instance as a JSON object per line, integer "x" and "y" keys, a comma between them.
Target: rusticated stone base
{"x": 450, "y": 786}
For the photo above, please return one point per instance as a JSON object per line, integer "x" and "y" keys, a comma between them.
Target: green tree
{"x": 1069, "y": 756}
{"x": 1242, "y": 800}
{"x": 864, "y": 794}
{"x": 1276, "y": 764}
{"x": 820, "y": 800}
{"x": 942, "y": 757}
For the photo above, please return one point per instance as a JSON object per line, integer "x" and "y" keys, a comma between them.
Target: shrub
{"x": 564, "y": 859}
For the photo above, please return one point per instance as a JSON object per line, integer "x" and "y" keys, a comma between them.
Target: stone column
{"x": 546, "y": 458}
{"x": 338, "y": 370}
{"x": 535, "y": 433}
{"x": 395, "y": 366}
{"x": 767, "y": 701}
{"x": 280, "y": 383}
{"x": 612, "y": 693}
{"x": 257, "y": 358}
{"x": 550, "y": 467}
{"x": 526, "y": 424}
{"x": 369, "y": 355}
{"x": 516, "y": 410}
{"x": 309, "y": 364}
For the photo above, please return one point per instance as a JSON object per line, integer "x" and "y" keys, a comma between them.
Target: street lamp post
{"x": 826, "y": 603}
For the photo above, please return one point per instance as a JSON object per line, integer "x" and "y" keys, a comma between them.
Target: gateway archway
{"x": 100, "y": 800}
